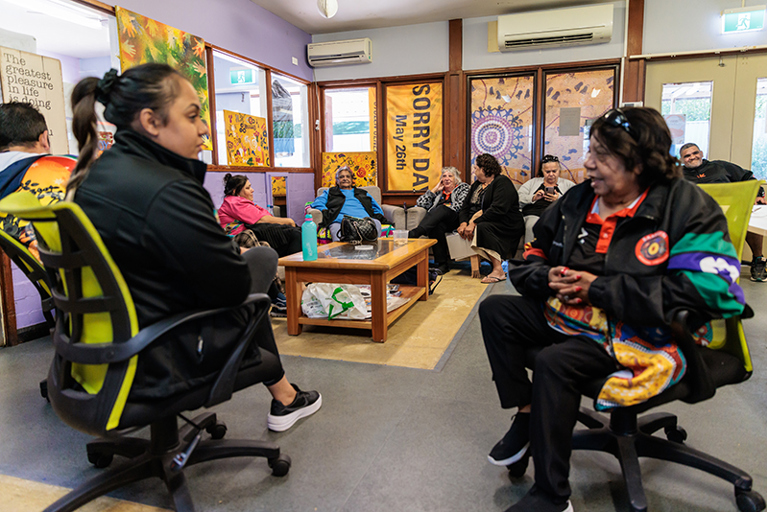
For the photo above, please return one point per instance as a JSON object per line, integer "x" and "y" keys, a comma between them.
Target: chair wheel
{"x": 280, "y": 465}
{"x": 749, "y": 501}
{"x": 519, "y": 468}
{"x": 217, "y": 431}
{"x": 676, "y": 434}
{"x": 44, "y": 390}
{"x": 100, "y": 460}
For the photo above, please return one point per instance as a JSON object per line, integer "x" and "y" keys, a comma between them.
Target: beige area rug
{"x": 20, "y": 495}
{"x": 418, "y": 339}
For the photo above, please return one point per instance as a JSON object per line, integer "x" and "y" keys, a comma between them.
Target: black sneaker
{"x": 282, "y": 417}
{"x": 758, "y": 273}
{"x": 279, "y": 306}
{"x": 443, "y": 269}
{"x": 538, "y": 501}
{"x": 514, "y": 444}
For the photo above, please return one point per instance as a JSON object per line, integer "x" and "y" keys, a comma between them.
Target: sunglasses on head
{"x": 617, "y": 119}
{"x": 549, "y": 158}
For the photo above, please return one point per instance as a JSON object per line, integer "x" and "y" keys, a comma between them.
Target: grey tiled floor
{"x": 391, "y": 438}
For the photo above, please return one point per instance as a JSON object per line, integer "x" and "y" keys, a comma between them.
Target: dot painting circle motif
{"x": 497, "y": 132}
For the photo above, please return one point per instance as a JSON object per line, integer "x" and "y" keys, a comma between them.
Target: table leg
{"x": 380, "y": 321}
{"x": 293, "y": 296}
{"x": 422, "y": 279}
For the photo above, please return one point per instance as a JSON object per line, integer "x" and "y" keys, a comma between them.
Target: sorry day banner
{"x": 413, "y": 136}
{"x": 145, "y": 40}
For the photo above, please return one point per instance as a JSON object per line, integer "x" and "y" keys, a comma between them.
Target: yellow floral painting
{"x": 278, "y": 186}
{"x": 362, "y": 164}
{"x": 145, "y": 40}
{"x": 247, "y": 142}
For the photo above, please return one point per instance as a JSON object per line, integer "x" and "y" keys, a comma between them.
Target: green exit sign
{"x": 745, "y": 19}
{"x": 242, "y": 76}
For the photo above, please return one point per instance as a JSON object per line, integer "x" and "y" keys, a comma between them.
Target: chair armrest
{"x": 395, "y": 215}
{"x": 316, "y": 215}
{"x": 698, "y": 376}
{"x": 116, "y": 352}
{"x": 415, "y": 215}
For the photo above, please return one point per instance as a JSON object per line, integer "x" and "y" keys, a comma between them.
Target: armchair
{"x": 97, "y": 347}
{"x": 394, "y": 214}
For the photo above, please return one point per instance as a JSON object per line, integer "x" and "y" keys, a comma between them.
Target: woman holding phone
{"x": 539, "y": 193}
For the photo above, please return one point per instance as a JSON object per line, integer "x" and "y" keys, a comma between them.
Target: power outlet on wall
{"x": 295, "y": 61}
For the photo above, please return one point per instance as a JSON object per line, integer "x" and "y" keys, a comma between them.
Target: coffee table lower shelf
{"x": 411, "y": 292}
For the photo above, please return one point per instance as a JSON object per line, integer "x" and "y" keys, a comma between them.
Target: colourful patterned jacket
{"x": 45, "y": 176}
{"x": 674, "y": 253}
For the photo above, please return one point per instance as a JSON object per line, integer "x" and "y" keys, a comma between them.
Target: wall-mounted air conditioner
{"x": 338, "y": 53}
{"x": 557, "y": 27}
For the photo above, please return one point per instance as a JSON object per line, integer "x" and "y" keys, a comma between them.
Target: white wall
{"x": 407, "y": 50}
{"x": 693, "y": 25}
{"x": 476, "y": 56}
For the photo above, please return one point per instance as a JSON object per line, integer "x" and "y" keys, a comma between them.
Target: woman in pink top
{"x": 238, "y": 215}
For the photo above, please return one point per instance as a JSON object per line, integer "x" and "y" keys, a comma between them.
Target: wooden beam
{"x": 454, "y": 106}
{"x": 10, "y": 335}
{"x": 634, "y": 70}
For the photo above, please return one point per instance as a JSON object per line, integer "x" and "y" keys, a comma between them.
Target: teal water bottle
{"x": 309, "y": 239}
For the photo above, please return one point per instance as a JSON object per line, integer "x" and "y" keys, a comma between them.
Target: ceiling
{"x": 367, "y": 14}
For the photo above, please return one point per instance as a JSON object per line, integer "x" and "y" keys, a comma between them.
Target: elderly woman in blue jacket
{"x": 346, "y": 200}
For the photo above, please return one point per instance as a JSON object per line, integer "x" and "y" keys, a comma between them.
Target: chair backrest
{"x": 736, "y": 201}
{"x": 93, "y": 306}
{"x": 28, "y": 264}
{"x": 374, "y": 192}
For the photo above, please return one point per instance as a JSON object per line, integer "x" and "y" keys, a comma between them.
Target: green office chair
{"x": 32, "y": 268}
{"x": 98, "y": 344}
{"x": 628, "y": 436}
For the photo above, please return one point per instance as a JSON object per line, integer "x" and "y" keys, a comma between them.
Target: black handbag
{"x": 355, "y": 230}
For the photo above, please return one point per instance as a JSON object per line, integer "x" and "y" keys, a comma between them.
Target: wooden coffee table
{"x": 340, "y": 262}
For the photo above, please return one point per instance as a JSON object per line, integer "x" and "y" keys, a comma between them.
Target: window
{"x": 349, "y": 116}
{"x": 239, "y": 88}
{"x": 289, "y": 115}
{"x": 759, "y": 148}
{"x": 686, "y": 107}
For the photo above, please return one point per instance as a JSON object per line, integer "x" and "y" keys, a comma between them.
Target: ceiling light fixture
{"x": 328, "y": 8}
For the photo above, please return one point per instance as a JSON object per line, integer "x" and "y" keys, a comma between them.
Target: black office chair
{"x": 98, "y": 343}
{"x": 629, "y": 436}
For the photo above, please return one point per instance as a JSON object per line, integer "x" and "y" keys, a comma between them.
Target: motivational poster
{"x": 34, "y": 79}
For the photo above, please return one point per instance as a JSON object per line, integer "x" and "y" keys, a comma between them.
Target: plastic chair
{"x": 98, "y": 344}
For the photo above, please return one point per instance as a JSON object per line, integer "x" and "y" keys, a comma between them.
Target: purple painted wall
{"x": 239, "y": 26}
{"x": 27, "y": 300}
{"x": 300, "y": 190}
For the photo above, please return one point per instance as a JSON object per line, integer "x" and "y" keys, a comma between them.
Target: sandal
{"x": 492, "y": 279}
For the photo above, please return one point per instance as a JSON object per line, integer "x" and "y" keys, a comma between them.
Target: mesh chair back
{"x": 736, "y": 201}
{"x": 31, "y": 267}
{"x": 87, "y": 389}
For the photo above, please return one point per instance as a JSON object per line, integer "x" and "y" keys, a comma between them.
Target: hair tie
{"x": 105, "y": 85}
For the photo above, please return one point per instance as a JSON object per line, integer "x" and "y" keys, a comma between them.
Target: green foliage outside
{"x": 695, "y": 109}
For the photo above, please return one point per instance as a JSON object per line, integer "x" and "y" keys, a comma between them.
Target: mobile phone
{"x": 549, "y": 190}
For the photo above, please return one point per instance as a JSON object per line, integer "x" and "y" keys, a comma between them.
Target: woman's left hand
{"x": 571, "y": 286}
{"x": 468, "y": 233}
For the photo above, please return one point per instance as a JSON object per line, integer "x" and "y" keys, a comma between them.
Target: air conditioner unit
{"x": 557, "y": 27}
{"x": 337, "y": 53}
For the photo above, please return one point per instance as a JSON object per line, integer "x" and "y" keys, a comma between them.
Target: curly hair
{"x": 488, "y": 164}
{"x": 644, "y": 141}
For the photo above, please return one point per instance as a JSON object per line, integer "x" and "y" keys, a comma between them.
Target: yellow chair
{"x": 98, "y": 344}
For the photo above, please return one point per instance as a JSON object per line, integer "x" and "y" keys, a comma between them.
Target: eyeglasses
{"x": 617, "y": 119}
{"x": 549, "y": 158}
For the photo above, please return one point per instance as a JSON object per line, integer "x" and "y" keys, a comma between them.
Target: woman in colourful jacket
{"x": 611, "y": 263}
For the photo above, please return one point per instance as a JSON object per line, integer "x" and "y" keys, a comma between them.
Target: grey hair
{"x": 689, "y": 145}
{"x": 455, "y": 172}
{"x": 344, "y": 168}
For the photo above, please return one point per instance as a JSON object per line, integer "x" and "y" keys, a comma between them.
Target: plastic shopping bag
{"x": 333, "y": 301}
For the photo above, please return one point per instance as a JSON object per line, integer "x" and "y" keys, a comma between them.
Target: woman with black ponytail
{"x": 145, "y": 197}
